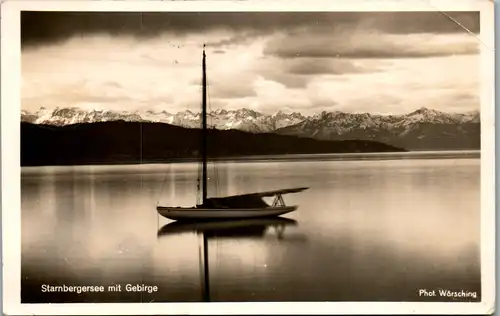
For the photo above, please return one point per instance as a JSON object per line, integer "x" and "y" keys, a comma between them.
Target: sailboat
{"x": 244, "y": 206}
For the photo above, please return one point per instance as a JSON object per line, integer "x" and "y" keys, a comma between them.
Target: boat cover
{"x": 251, "y": 200}
{"x": 272, "y": 193}
{"x": 236, "y": 202}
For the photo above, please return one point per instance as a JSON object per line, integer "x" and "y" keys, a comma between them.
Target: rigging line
{"x": 161, "y": 189}
{"x": 216, "y": 174}
{"x": 162, "y": 186}
{"x": 200, "y": 170}
{"x": 210, "y": 118}
{"x": 210, "y": 108}
{"x": 198, "y": 187}
{"x": 216, "y": 171}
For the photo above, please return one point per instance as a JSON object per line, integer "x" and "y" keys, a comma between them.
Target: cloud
{"x": 292, "y": 81}
{"x": 405, "y": 85}
{"x": 461, "y": 101}
{"x": 325, "y": 66}
{"x": 103, "y": 66}
{"x": 272, "y": 96}
{"x": 45, "y": 27}
{"x": 437, "y": 22}
{"x": 297, "y": 73}
{"x": 343, "y": 64}
{"x": 369, "y": 44}
{"x": 232, "y": 89}
{"x": 237, "y": 39}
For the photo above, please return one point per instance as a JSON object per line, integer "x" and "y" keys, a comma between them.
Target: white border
{"x": 10, "y": 131}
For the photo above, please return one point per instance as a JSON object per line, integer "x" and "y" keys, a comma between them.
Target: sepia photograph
{"x": 224, "y": 152}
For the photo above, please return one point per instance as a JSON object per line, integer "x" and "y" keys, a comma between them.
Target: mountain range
{"x": 423, "y": 129}
{"x": 243, "y": 119}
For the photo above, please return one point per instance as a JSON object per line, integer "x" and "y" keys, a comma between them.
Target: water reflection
{"x": 243, "y": 228}
{"x": 256, "y": 228}
{"x": 365, "y": 231}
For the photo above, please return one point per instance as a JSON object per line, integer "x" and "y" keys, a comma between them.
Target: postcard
{"x": 247, "y": 157}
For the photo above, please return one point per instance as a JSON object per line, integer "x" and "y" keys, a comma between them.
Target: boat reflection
{"x": 255, "y": 228}
{"x": 242, "y": 228}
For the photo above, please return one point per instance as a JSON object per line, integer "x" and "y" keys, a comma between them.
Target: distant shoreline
{"x": 410, "y": 155}
{"x": 132, "y": 143}
{"x": 455, "y": 154}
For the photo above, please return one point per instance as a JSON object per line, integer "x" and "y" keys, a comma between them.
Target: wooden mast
{"x": 206, "y": 287}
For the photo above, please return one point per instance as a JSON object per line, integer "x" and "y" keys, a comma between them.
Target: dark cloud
{"x": 49, "y": 26}
{"x": 235, "y": 40}
{"x": 362, "y": 45}
{"x": 219, "y": 51}
{"x": 426, "y": 22}
{"x": 461, "y": 101}
{"x": 323, "y": 66}
{"x": 298, "y": 73}
{"x": 465, "y": 97}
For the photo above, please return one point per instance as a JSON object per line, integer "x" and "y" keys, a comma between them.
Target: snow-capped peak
{"x": 248, "y": 119}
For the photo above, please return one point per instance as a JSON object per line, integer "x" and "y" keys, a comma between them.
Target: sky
{"x": 308, "y": 62}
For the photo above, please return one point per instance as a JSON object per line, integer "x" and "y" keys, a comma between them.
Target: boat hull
{"x": 180, "y": 213}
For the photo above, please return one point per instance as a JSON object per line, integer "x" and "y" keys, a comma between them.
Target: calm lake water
{"x": 374, "y": 230}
